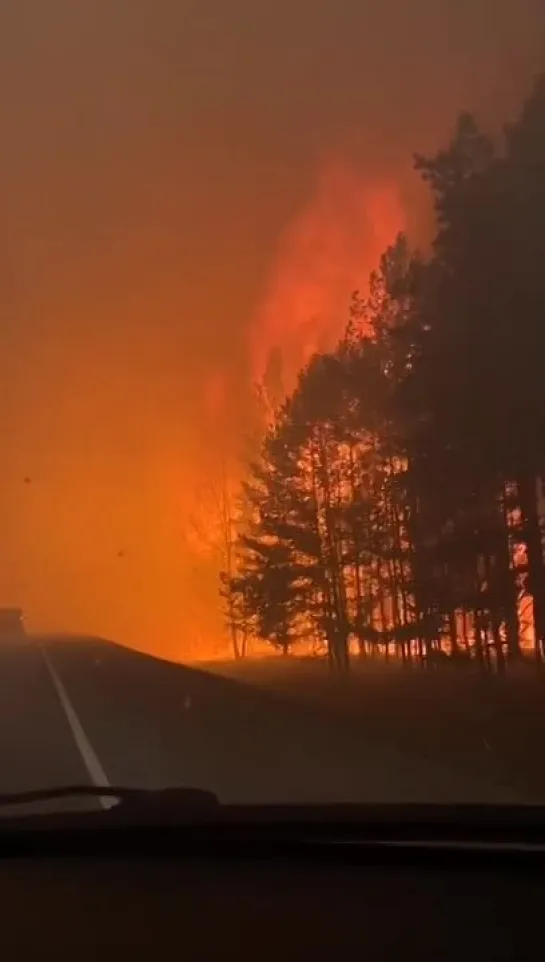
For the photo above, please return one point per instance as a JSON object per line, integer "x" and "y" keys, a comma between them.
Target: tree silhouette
{"x": 395, "y": 502}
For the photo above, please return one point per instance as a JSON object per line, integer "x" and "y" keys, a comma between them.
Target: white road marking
{"x": 87, "y": 752}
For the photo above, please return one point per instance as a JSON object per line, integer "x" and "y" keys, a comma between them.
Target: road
{"x": 77, "y": 711}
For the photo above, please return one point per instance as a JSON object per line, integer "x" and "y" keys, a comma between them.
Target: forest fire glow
{"x": 323, "y": 254}
{"x": 131, "y": 499}
{"x": 326, "y": 253}
{"x": 186, "y": 215}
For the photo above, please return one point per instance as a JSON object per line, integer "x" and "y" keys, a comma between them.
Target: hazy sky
{"x": 184, "y": 186}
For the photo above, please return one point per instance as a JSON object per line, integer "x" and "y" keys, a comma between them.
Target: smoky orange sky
{"x": 188, "y": 188}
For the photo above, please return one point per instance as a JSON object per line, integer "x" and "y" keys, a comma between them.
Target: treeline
{"x": 395, "y": 503}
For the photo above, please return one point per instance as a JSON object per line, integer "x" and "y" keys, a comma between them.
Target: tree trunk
{"x": 233, "y": 627}
{"x": 512, "y": 625}
{"x": 465, "y": 632}
{"x": 453, "y": 632}
{"x": 536, "y": 568}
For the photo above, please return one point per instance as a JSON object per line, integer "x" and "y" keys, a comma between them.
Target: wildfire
{"x": 325, "y": 254}
{"x": 123, "y": 530}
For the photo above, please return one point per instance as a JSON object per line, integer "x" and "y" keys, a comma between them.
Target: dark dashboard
{"x": 175, "y": 874}
{"x": 261, "y": 905}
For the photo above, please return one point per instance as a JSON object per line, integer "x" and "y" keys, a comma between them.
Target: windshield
{"x": 273, "y": 424}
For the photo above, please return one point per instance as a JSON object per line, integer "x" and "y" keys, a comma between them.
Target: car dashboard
{"x": 272, "y": 902}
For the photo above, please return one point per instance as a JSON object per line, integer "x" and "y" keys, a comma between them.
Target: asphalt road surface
{"x": 86, "y": 711}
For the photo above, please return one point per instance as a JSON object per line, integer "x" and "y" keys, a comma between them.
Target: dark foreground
{"x": 74, "y": 711}
{"x": 481, "y": 722}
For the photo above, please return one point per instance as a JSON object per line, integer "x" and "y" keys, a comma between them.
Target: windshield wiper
{"x": 369, "y": 821}
{"x": 309, "y": 823}
{"x": 182, "y": 800}
{"x": 192, "y": 822}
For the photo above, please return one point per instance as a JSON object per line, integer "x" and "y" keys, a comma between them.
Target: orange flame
{"x": 326, "y": 253}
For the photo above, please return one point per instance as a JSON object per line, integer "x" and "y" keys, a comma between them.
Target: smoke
{"x": 189, "y": 193}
